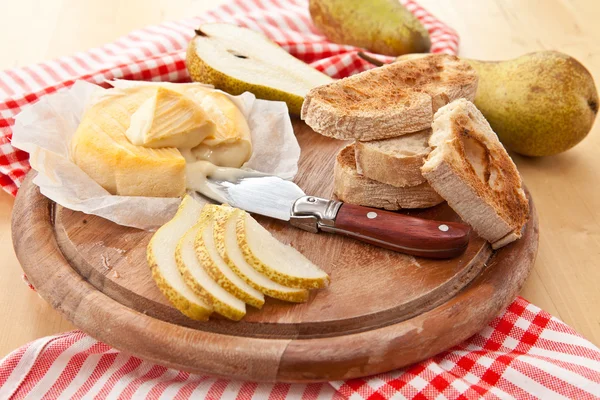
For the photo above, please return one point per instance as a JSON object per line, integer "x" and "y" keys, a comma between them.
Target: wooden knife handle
{"x": 398, "y": 232}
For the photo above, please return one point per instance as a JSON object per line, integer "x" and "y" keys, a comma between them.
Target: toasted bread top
{"x": 433, "y": 73}
{"x": 390, "y": 100}
{"x": 464, "y": 140}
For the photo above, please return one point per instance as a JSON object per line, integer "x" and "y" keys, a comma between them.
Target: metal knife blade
{"x": 266, "y": 195}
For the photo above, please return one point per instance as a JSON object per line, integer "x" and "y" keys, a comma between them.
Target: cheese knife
{"x": 277, "y": 198}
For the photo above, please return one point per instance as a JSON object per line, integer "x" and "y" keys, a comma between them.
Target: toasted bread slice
{"x": 444, "y": 77}
{"x": 388, "y": 101}
{"x": 353, "y": 188}
{"x": 395, "y": 161}
{"x": 470, "y": 168}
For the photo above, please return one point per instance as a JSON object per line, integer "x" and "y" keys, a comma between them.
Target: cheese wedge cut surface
{"x": 218, "y": 269}
{"x": 161, "y": 259}
{"x": 230, "y": 144}
{"x": 101, "y": 149}
{"x": 226, "y": 242}
{"x": 168, "y": 118}
{"x": 195, "y": 276}
{"x": 279, "y": 262}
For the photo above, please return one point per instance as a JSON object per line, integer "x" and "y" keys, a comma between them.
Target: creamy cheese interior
{"x": 192, "y": 118}
{"x": 136, "y": 141}
{"x": 198, "y": 172}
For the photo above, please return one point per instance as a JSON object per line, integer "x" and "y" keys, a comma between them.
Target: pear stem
{"x": 370, "y": 59}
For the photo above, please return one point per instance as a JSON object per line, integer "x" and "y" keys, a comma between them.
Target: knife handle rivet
{"x": 443, "y": 228}
{"x": 371, "y": 215}
{"x": 311, "y": 200}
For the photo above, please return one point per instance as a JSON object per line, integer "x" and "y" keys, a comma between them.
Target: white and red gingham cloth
{"x": 524, "y": 353}
{"x": 158, "y": 53}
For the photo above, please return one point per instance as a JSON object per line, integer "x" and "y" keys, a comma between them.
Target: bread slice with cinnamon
{"x": 469, "y": 167}
{"x": 353, "y": 188}
{"x": 388, "y": 101}
{"x": 395, "y": 161}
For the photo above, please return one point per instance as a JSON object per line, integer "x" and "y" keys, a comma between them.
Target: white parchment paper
{"x": 45, "y": 129}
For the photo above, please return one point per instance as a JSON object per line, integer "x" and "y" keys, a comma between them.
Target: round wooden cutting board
{"x": 383, "y": 310}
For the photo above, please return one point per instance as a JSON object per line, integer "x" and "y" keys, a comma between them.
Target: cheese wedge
{"x": 169, "y": 118}
{"x": 161, "y": 259}
{"x": 226, "y": 243}
{"x": 277, "y": 261}
{"x": 218, "y": 269}
{"x": 230, "y": 143}
{"x": 193, "y": 271}
{"x": 101, "y": 149}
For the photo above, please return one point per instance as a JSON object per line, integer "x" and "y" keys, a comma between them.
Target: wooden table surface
{"x": 566, "y": 277}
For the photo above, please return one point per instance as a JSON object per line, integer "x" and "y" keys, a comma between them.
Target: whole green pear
{"x": 380, "y": 26}
{"x": 539, "y": 104}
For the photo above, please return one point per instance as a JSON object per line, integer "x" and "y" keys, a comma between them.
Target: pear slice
{"x": 195, "y": 276}
{"x": 218, "y": 269}
{"x": 161, "y": 258}
{"x": 227, "y": 246}
{"x": 279, "y": 262}
{"x": 236, "y": 60}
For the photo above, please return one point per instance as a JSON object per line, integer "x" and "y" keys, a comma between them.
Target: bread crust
{"x": 395, "y": 161}
{"x": 470, "y": 168}
{"x": 388, "y": 101}
{"x": 353, "y": 188}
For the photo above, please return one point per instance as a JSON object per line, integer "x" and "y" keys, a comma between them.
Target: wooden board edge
{"x": 269, "y": 360}
{"x": 402, "y": 344}
{"x": 131, "y": 331}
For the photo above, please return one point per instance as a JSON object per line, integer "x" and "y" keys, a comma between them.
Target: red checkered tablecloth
{"x": 523, "y": 353}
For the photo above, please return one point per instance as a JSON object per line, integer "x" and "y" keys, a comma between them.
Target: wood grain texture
{"x": 95, "y": 272}
{"x": 409, "y": 235}
{"x": 111, "y": 257}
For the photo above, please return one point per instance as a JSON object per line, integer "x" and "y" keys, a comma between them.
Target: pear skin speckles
{"x": 219, "y": 306}
{"x": 271, "y": 273}
{"x": 294, "y": 295}
{"x": 195, "y": 311}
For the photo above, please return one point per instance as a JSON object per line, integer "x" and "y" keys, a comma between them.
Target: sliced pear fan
{"x": 195, "y": 275}
{"x": 237, "y": 59}
{"x": 218, "y": 269}
{"x": 226, "y": 241}
{"x": 279, "y": 262}
{"x": 161, "y": 258}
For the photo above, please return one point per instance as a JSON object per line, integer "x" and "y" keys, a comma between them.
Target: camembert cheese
{"x": 137, "y": 137}
{"x": 101, "y": 149}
